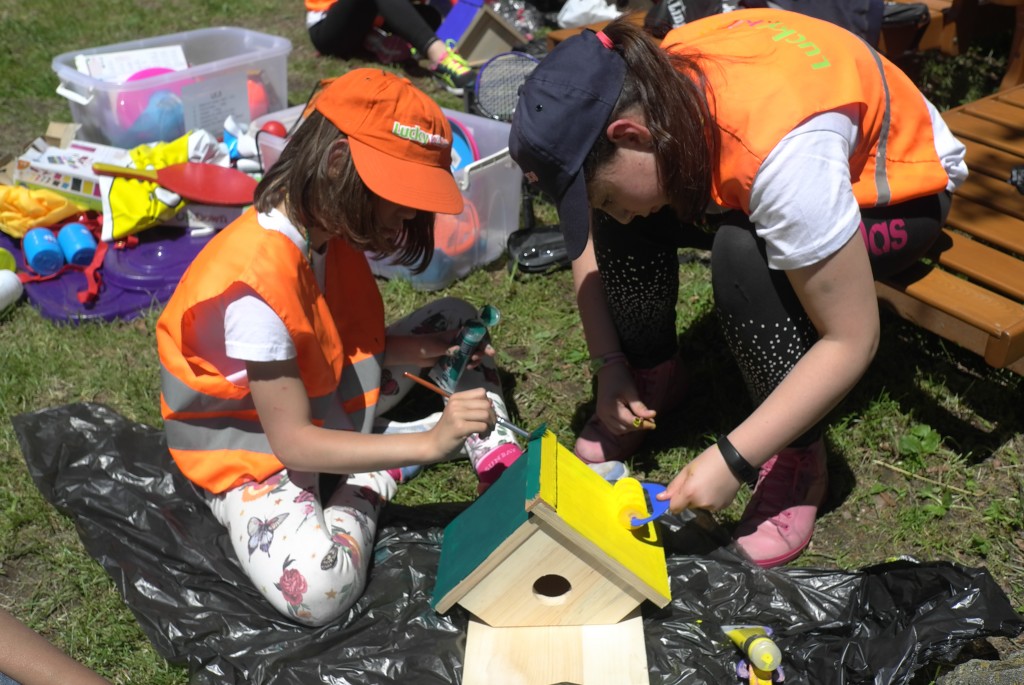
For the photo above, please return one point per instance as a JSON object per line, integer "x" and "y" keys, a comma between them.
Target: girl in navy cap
{"x": 818, "y": 167}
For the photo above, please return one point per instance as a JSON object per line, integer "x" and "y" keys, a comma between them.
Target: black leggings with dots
{"x": 762, "y": 319}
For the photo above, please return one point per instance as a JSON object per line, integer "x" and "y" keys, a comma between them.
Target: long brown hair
{"x": 669, "y": 89}
{"x": 331, "y": 197}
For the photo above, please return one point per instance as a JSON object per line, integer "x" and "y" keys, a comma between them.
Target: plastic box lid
{"x": 210, "y": 52}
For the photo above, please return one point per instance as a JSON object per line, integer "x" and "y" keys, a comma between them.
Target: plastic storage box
{"x": 228, "y": 71}
{"x": 491, "y": 185}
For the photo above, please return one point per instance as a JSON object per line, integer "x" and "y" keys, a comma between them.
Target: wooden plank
{"x": 958, "y": 310}
{"x": 1006, "y": 113}
{"x": 958, "y": 297}
{"x": 996, "y": 193}
{"x": 1014, "y": 95}
{"x": 585, "y": 655}
{"x": 998, "y": 135}
{"x": 461, "y": 579}
{"x": 996, "y": 270}
{"x": 987, "y": 223}
{"x": 942, "y": 32}
{"x": 985, "y": 159}
{"x": 546, "y": 583}
{"x": 933, "y": 320}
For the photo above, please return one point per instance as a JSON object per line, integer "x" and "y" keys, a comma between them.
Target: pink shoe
{"x": 779, "y": 519}
{"x": 660, "y": 387}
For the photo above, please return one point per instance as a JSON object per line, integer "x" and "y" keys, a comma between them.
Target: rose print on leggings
{"x": 293, "y": 587}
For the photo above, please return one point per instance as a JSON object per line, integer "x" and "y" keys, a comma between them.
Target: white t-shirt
{"x": 802, "y": 202}
{"x": 239, "y": 326}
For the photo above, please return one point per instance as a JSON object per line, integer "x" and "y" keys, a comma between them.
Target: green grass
{"x": 926, "y": 454}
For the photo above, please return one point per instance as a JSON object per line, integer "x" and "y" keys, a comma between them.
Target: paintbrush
{"x": 443, "y": 393}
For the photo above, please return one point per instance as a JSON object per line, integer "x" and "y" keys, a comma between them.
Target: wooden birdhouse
{"x": 550, "y": 570}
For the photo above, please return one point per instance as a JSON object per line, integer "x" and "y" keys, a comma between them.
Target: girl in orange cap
{"x": 277, "y": 366}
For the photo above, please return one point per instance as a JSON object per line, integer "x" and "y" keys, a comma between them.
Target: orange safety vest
{"x": 212, "y": 429}
{"x": 319, "y": 5}
{"x": 770, "y": 70}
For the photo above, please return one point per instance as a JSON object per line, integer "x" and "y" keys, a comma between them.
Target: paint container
{"x": 42, "y": 251}
{"x": 77, "y": 244}
{"x": 761, "y": 651}
{"x": 10, "y": 289}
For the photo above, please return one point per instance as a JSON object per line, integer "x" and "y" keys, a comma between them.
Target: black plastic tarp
{"x": 173, "y": 564}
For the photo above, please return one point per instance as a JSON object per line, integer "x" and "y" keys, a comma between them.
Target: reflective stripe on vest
{"x": 359, "y": 391}
{"x": 881, "y": 167}
{"x": 213, "y": 431}
{"x": 767, "y": 71}
{"x": 184, "y": 401}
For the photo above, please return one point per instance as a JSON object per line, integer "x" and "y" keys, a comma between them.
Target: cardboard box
{"x": 489, "y": 34}
{"x": 67, "y": 170}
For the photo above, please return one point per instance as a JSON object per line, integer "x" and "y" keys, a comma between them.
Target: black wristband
{"x": 740, "y": 467}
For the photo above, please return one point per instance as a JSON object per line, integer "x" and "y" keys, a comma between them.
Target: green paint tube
{"x": 448, "y": 370}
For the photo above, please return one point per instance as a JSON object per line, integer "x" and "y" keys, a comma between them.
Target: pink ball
{"x": 131, "y": 103}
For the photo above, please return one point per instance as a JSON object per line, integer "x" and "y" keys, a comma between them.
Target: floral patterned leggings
{"x": 310, "y": 560}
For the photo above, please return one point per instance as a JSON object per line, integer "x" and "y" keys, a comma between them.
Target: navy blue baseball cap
{"x": 564, "y": 106}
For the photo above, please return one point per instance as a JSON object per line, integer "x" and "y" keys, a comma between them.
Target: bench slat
{"x": 958, "y": 310}
{"x": 997, "y": 270}
{"x": 987, "y": 223}
{"x": 977, "y": 306}
{"x": 991, "y": 192}
{"x": 1001, "y": 112}
{"x": 971, "y": 128}
{"x": 983, "y": 158}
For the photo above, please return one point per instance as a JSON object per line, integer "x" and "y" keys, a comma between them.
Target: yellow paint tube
{"x": 762, "y": 653}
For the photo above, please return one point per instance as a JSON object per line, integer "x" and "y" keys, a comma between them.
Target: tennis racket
{"x": 498, "y": 81}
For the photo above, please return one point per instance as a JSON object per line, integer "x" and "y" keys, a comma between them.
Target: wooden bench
{"x": 952, "y": 25}
{"x": 970, "y": 290}
{"x": 943, "y": 32}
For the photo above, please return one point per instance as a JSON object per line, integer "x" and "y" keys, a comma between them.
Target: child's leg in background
{"x": 309, "y": 561}
{"x": 489, "y": 454}
{"x": 344, "y": 28}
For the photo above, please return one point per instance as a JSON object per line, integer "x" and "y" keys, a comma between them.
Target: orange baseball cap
{"x": 401, "y": 141}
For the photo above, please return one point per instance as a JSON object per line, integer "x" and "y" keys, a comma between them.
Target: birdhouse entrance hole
{"x": 552, "y": 589}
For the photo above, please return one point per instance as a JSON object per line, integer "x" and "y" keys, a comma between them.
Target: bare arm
{"x": 26, "y": 656}
{"x": 284, "y": 410}
{"x": 838, "y": 295}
